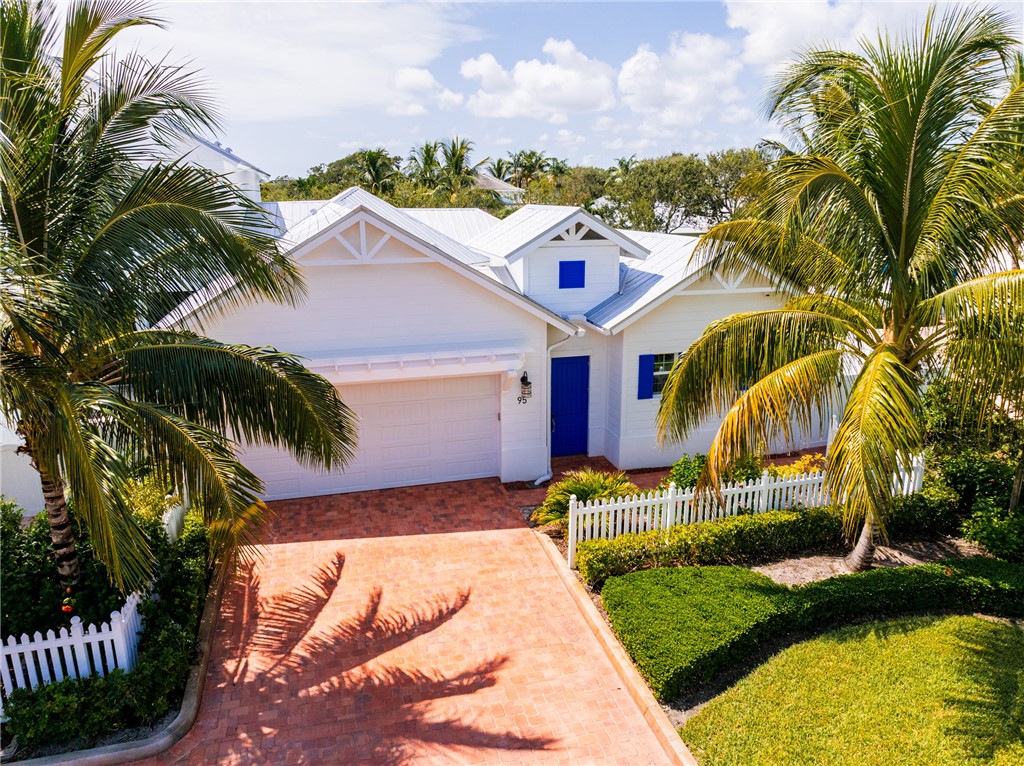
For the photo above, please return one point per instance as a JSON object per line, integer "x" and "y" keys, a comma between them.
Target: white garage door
{"x": 411, "y": 432}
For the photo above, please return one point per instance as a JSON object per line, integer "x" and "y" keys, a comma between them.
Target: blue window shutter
{"x": 645, "y": 382}
{"x": 572, "y": 274}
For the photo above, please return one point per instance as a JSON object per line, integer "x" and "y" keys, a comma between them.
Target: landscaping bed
{"x": 683, "y": 626}
{"x": 122, "y": 706}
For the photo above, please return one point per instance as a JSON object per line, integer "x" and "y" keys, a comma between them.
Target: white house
{"x": 476, "y": 347}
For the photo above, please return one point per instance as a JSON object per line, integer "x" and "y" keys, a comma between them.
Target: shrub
{"x": 32, "y": 594}
{"x": 804, "y": 464}
{"x": 996, "y": 529}
{"x": 148, "y": 498}
{"x": 748, "y": 467}
{"x": 586, "y": 484}
{"x": 89, "y": 708}
{"x": 733, "y": 540}
{"x": 931, "y": 511}
{"x": 973, "y": 473}
{"x": 685, "y": 472}
{"x": 682, "y": 626}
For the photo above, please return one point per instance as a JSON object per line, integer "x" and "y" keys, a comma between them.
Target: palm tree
{"x": 528, "y": 165}
{"x": 457, "y": 171}
{"x": 378, "y": 171}
{"x": 99, "y": 235}
{"x": 500, "y": 169}
{"x": 424, "y": 165}
{"x": 622, "y": 167}
{"x": 890, "y": 225}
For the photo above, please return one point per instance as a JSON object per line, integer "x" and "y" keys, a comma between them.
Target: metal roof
{"x": 226, "y": 151}
{"x": 461, "y": 224}
{"x": 352, "y": 199}
{"x": 532, "y": 225}
{"x": 493, "y": 183}
{"x": 669, "y": 263}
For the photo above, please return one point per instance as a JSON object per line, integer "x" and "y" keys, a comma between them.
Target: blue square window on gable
{"x": 572, "y": 274}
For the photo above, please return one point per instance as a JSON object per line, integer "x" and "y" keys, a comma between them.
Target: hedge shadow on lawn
{"x": 685, "y": 628}
{"x": 1001, "y": 692}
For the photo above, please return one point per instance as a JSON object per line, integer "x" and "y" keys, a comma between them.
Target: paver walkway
{"x": 418, "y": 625}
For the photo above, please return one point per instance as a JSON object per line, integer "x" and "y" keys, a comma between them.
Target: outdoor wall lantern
{"x": 527, "y": 386}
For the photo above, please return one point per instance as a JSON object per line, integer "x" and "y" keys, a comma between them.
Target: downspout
{"x": 580, "y": 332}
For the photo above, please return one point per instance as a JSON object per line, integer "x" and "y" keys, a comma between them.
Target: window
{"x": 571, "y": 274}
{"x": 653, "y": 374}
{"x": 662, "y": 367}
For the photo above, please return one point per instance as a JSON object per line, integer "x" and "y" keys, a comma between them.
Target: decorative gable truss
{"x": 578, "y": 232}
{"x": 363, "y": 240}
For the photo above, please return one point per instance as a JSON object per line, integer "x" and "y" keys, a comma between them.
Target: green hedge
{"x": 734, "y": 540}
{"x": 89, "y": 708}
{"x": 682, "y": 626}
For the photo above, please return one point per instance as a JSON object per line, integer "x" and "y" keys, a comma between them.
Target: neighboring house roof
{"x": 533, "y": 225}
{"x": 669, "y": 264}
{"x": 226, "y": 151}
{"x": 492, "y": 183}
{"x": 461, "y": 224}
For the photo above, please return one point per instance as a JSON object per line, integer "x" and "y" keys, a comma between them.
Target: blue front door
{"x": 570, "y": 397}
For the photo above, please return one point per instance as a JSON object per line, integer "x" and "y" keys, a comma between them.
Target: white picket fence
{"x": 174, "y": 519}
{"x": 79, "y": 651}
{"x": 645, "y": 512}
{"x": 74, "y": 652}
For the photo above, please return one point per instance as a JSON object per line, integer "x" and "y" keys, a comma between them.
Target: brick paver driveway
{"x": 420, "y": 625}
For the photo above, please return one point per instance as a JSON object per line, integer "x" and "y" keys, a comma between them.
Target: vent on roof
{"x": 591, "y": 234}
{"x": 312, "y": 211}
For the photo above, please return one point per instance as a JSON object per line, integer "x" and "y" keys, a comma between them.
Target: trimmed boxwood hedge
{"x": 682, "y": 626}
{"x": 733, "y": 540}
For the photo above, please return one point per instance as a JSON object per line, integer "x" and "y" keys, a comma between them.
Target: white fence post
{"x": 764, "y": 492}
{"x": 668, "y": 510}
{"x": 573, "y": 523}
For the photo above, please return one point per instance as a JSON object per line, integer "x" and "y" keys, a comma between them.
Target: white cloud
{"x": 568, "y": 137}
{"x": 278, "y": 61}
{"x": 776, "y": 31}
{"x": 691, "y": 80}
{"x": 570, "y": 83}
{"x": 416, "y": 85}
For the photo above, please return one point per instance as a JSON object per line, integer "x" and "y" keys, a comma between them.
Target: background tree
{"x": 424, "y": 164}
{"x": 662, "y": 194}
{"x": 458, "y": 172}
{"x": 733, "y": 176}
{"x": 500, "y": 168}
{"x": 97, "y": 234}
{"x": 890, "y": 222}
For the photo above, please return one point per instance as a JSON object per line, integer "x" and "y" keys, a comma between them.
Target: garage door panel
{"x": 411, "y": 432}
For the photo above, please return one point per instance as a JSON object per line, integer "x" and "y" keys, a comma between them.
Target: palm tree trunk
{"x": 1018, "y": 484}
{"x": 64, "y": 549}
{"x": 863, "y": 553}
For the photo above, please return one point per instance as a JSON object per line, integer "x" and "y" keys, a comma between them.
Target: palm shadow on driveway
{"x": 330, "y": 694}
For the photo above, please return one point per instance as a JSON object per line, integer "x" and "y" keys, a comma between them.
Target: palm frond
{"x": 879, "y": 435}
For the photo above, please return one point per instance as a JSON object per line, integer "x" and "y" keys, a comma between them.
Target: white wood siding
{"x": 602, "y": 275}
{"x": 373, "y": 309}
{"x": 671, "y": 327}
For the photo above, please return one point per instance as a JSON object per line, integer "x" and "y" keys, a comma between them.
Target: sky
{"x": 302, "y": 83}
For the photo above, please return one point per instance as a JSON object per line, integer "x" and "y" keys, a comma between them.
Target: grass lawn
{"x": 933, "y": 691}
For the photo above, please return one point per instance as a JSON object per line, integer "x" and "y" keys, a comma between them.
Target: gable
{"x": 362, "y": 242}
